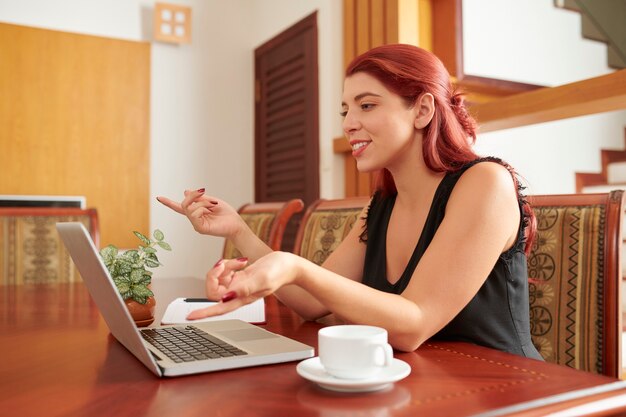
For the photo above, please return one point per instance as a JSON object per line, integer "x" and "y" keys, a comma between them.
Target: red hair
{"x": 410, "y": 71}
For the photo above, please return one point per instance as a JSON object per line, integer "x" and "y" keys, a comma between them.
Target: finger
{"x": 236, "y": 264}
{"x": 199, "y": 207}
{"x": 223, "y": 272}
{"x": 216, "y": 309}
{"x": 190, "y": 196}
{"x": 198, "y": 214}
{"x": 230, "y": 302}
{"x": 171, "y": 204}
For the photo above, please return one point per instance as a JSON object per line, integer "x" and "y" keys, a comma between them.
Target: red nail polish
{"x": 213, "y": 202}
{"x": 242, "y": 259}
{"x": 230, "y": 295}
{"x": 200, "y": 190}
{"x": 218, "y": 262}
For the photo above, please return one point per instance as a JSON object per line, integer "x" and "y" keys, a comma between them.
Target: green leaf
{"x": 132, "y": 255}
{"x": 158, "y": 235}
{"x": 141, "y": 293}
{"x": 164, "y": 245}
{"x": 143, "y": 290}
{"x": 108, "y": 254}
{"x": 152, "y": 263}
{"x": 137, "y": 276}
{"x": 123, "y": 267}
{"x": 148, "y": 249}
{"x": 123, "y": 286}
{"x": 143, "y": 238}
{"x": 126, "y": 295}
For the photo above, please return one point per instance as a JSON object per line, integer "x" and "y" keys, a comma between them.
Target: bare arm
{"x": 438, "y": 290}
{"x": 346, "y": 261}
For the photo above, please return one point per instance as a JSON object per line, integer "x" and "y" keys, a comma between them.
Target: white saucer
{"x": 313, "y": 370}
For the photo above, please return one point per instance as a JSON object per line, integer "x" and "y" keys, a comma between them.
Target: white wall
{"x": 202, "y": 104}
{"x": 528, "y": 41}
{"x": 534, "y": 42}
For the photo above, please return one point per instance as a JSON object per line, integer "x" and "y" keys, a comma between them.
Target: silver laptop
{"x": 245, "y": 344}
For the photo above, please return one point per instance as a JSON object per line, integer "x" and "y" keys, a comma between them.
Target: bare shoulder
{"x": 487, "y": 194}
{"x": 486, "y": 188}
{"x": 486, "y": 178}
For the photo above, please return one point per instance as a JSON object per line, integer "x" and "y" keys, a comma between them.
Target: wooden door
{"x": 286, "y": 119}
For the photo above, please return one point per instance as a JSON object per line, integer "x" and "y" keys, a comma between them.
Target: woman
{"x": 439, "y": 251}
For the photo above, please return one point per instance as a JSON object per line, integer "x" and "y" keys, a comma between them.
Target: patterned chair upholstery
{"x": 31, "y": 251}
{"x": 267, "y": 221}
{"x": 325, "y": 224}
{"x": 574, "y": 280}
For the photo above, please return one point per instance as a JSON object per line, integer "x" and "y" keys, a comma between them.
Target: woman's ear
{"x": 425, "y": 106}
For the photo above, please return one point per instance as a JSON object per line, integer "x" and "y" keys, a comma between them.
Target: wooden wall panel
{"x": 367, "y": 24}
{"x": 74, "y": 120}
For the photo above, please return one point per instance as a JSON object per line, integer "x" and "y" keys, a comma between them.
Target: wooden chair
{"x": 267, "y": 221}
{"x": 30, "y": 248}
{"x": 325, "y": 224}
{"x": 574, "y": 280}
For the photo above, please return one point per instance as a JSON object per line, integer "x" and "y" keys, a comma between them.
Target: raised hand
{"x": 208, "y": 215}
{"x": 219, "y": 278}
{"x": 236, "y": 286}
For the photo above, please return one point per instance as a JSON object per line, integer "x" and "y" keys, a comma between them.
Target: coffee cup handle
{"x": 387, "y": 353}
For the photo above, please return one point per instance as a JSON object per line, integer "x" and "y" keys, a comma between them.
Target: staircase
{"x": 602, "y": 21}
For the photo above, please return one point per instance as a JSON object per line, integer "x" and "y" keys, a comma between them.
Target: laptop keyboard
{"x": 187, "y": 344}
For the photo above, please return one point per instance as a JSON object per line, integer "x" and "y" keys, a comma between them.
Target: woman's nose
{"x": 350, "y": 123}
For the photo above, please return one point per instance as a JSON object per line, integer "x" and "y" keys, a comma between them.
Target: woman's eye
{"x": 343, "y": 113}
{"x": 367, "y": 106}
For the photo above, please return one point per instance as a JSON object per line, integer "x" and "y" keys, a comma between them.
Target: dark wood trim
{"x": 493, "y": 86}
{"x": 312, "y": 174}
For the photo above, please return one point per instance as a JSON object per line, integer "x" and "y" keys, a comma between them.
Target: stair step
{"x": 567, "y": 4}
{"x": 590, "y": 30}
{"x": 615, "y": 58}
{"x": 616, "y": 173}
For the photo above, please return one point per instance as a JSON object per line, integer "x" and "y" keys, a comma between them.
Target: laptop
{"x": 218, "y": 345}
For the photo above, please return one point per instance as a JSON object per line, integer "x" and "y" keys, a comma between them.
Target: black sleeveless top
{"x": 498, "y": 315}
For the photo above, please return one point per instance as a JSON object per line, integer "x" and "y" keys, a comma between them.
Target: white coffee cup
{"x": 354, "y": 351}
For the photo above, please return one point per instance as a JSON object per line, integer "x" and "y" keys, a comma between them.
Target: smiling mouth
{"x": 359, "y": 145}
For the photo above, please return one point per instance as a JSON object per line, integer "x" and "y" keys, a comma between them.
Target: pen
{"x": 197, "y": 300}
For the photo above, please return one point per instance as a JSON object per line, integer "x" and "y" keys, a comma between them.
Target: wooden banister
{"x": 592, "y": 96}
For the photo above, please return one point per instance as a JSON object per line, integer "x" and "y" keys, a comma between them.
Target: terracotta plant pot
{"x": 143, "y": 314}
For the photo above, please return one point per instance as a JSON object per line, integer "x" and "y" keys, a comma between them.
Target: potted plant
{"x": 128, "y": 270}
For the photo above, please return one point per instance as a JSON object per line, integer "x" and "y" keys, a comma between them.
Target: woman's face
{"x": 378, "y": 124}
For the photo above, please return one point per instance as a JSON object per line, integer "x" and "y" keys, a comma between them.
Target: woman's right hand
{"x": 208, "y": 215}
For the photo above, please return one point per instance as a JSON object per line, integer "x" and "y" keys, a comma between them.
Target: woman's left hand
{"x": 239, "y": 285}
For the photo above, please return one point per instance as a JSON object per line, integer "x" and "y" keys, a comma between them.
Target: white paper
{"x": 178, "y": 310}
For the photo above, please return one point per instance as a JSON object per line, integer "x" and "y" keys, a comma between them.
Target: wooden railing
{"x": 595, "y": 95}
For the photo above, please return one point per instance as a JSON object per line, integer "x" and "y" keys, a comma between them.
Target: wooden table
{"x": 58, "y": 359}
